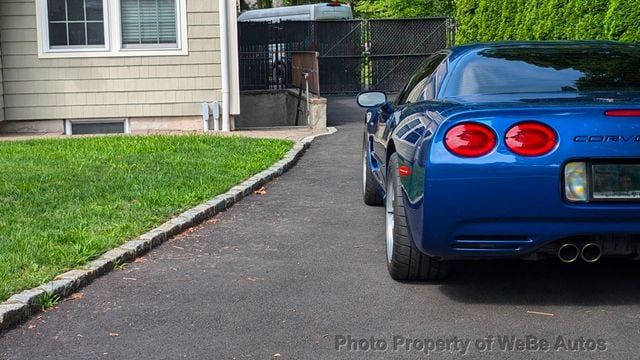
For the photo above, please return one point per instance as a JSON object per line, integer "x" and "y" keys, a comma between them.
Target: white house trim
{"x": 113, "y": 37}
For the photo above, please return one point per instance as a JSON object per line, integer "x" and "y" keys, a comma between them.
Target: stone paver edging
{"x": 22, "y": 305}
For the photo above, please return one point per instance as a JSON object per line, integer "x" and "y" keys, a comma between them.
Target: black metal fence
{"x": 353, "y": 54}
{"x": 339, "y": 48}
{"x": 398, "y": 47}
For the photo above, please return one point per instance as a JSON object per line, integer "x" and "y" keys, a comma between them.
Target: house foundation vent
{"x": 96, "y": 127}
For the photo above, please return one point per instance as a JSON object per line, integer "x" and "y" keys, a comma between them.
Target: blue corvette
{"x": 522, "y": 149}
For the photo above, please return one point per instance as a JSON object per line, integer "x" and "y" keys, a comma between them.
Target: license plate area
{"x": 614, "y": 181}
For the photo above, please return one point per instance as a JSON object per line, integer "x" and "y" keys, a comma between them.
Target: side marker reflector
{"x": 404, "y": 170}
{"x": 622, "y": 113}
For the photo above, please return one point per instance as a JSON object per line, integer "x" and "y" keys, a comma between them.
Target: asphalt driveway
{"x": 299, "y": 271}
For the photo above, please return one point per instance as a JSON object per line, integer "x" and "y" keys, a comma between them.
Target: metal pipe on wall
{"x": 224, "y": 63}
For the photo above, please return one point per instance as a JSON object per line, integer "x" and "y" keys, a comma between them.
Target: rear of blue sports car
{"x": 523, "y": 150}
{"x": 534, "y": 181}
{"x": 539, "y": 157}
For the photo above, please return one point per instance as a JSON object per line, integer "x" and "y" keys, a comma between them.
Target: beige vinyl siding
{"x": 104, "y": 87}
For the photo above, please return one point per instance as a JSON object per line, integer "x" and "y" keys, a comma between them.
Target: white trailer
{"x": 323, "y": 11}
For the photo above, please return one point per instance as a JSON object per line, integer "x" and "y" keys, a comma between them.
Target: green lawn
{"x": 64, "y": 202}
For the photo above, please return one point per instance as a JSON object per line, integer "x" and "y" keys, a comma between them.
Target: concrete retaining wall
{"x": 273, "y": 108}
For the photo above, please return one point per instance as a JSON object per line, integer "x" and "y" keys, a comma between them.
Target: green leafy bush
{"x": 493, "y": 20}
{"x": 403, "y": 8}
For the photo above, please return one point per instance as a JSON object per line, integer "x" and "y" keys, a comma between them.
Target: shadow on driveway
{"x": 548, "y": 282}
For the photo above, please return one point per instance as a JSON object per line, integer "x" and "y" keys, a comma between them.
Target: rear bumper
{"x": 495, "y": 216}
{"x": 517, "y": 237}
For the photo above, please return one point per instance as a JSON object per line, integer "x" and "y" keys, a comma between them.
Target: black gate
{"x": 353, "y": 54}
{"x": 265, "y": 52}
{"x": 340, "y": 58}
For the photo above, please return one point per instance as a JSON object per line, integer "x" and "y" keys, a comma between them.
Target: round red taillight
{"x": 470, "y": 140}
{"x": 531, "y": 138}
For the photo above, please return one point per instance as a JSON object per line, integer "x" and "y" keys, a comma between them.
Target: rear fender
{"x": 409, "y": 137}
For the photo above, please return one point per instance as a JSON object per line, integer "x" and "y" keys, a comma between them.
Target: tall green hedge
{"x": 492, "y": 20}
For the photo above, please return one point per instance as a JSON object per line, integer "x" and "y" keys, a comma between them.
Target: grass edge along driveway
{"x": 64, "y": 202}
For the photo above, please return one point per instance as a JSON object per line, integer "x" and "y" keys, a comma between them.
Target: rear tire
{"x": 403, "y": 260}
{"x": 371, "y": 195}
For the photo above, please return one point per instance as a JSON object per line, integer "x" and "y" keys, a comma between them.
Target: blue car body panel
{"x": 502, "y": 204}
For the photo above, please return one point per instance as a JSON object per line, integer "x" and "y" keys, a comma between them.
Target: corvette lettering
{"x": 607, "y": 138}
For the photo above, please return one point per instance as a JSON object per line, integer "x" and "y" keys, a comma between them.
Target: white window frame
{"x": 113, "y": 36}
{"x": 44, "y": 26}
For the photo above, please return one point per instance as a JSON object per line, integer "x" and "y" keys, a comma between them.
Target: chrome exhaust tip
{"x": 591, "y": 252}
{"x": 568, "y": 253}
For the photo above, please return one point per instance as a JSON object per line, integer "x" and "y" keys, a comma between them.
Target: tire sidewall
{"x": 393, "y": 180}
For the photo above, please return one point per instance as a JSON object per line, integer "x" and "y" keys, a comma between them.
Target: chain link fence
{"x": 353, "y": 54}
{"x": 398, "y": 47}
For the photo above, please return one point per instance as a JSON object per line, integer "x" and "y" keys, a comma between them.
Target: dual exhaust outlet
{"x": 569, "y": 252}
